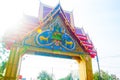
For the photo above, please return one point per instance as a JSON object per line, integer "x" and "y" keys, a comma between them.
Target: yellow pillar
{"x": 13, "y": 63}
{"x": 82, "y": 68}
{"x": 85, "y": 67}
{"x": 89, "y": 70}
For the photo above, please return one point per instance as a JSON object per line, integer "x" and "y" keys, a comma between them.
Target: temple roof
{"x": 46, "y": 13}
{"x": 44, "y": 10}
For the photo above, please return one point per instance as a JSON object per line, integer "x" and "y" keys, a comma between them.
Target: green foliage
{"x": 44, "y": 76}
{"x": 114, "y": 77}
{"x": 4, "y": 53}
{"x": 2, "y": 66}
{"x": 1, "y": 76}
{"x": 104, "y": 76}
{"x": 68, "y": 77}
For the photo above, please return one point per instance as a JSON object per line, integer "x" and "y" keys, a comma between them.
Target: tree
{"x": 68, "y": 77}
{"x": 104, "y": 76}
{"x": 4, "y": 53}
{"x": 2, "y": 66}
{"x": 44, "y": 76}
{"x": 114, "y": 77}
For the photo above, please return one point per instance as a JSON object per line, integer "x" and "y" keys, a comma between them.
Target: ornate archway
{"x": 56, "y": 36}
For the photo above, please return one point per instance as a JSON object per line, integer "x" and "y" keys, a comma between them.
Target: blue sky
{"x": 99, "y": 18}
{"x": 102, "y": 22}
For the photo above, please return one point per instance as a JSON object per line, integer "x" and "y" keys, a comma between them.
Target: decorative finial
{"x": 59, "y": 1}
{"x": 39, "y": 1}
{"x": 72, "y": 10}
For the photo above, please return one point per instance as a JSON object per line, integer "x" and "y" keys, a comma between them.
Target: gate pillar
{"x": 85, "y": 68}
{"x": 14, "y": 63}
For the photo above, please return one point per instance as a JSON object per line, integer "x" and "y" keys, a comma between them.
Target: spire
{"x": 72, "y": 11}
{"x": 40, "y": 10}
{"x": 59, "y": 2}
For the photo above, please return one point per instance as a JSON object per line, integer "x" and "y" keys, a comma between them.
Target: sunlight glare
{"x": 12, "y": 13}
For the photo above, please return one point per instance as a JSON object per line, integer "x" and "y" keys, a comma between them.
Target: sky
{"x": 58, "y": 67}
{"x": 99, "y": 18}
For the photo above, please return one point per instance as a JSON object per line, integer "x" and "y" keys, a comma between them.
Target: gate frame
{"x": 16, "y": 52}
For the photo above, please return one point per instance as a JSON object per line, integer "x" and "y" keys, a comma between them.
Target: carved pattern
{"x": 56, "y": 37}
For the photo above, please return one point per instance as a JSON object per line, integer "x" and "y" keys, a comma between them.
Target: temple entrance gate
{"x": 54, "y": 36}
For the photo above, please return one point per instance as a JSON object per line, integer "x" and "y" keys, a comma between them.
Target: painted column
{"x": 13, "y": 63}
{"x": 82, "y": 69}
{"x": 85, "y": 68}
{"x": 89, "y": 70}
